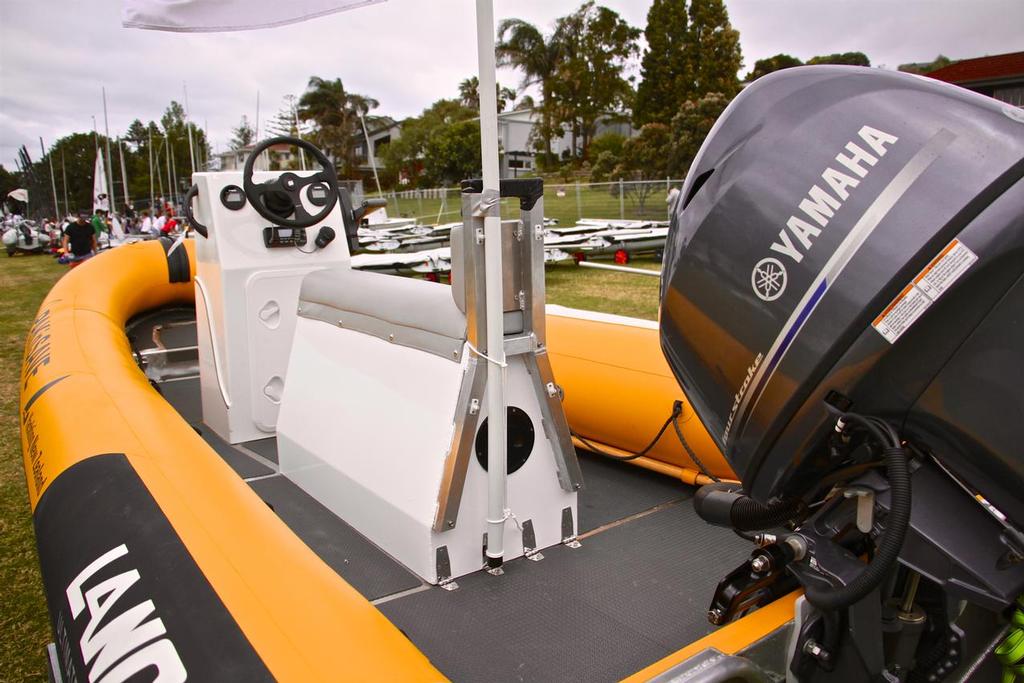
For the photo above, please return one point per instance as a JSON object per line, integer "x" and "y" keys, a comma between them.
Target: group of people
{"x": 80, "y": 238}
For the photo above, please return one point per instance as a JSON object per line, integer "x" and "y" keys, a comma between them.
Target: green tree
{"x": 714, "y": 51}
{"x": 849, "y": 58}
{"x": 666, "y": 71}
{"x": 523, "y": 46}
{"x": 406, "y": 156}
{"x": 243, "y": 134}
{"x": 596, "y": 46}
{"x": 921, "y": 68}
{"x": 644, "y": 158}
{"x": 607, "y": 142}
{"x": 8, "y": 181}
{"x": 176, "y": 139}
{"x": 335, "y": 114}
{"x": 689, "y": 129}
{"x": 469, "y": 94}
{"x": 453, "y": 153}
{"x": 605, "y": 163}
{"x": 763, "y": 67}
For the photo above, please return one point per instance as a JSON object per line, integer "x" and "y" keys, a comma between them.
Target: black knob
{"x": 324, "y": 237}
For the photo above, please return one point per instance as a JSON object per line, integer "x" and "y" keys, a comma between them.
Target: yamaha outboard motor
{"x": 843, "y": 302}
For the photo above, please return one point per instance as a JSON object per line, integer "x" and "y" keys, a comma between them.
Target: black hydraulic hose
{"x": 897, "y": 521}
{"x": 749, "y": 515}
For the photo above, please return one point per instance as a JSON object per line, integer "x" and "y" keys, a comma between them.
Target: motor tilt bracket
{"x": 756, "y": 582}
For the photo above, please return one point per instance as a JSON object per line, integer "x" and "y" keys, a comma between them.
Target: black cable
{"x": 896, "y": 524}
{"x": 676, "y": 410}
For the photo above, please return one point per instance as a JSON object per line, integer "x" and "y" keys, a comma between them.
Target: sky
{"x": 57, "y": 55}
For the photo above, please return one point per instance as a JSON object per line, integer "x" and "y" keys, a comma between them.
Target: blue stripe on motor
{"x": 790, "y": 336}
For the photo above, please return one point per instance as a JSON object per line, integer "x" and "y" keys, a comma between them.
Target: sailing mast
{"x": 188, "y": 126}
{"x": 53, "y": 181}
{"x": 109, "y": 169}
{"x": 152, "y": 199}
{"x": 64, "y": 174}
{"x": 124, "y": 175}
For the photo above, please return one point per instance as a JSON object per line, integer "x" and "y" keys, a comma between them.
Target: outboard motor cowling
{"x": 845, "y": 232}
{"x": 843, "y": 302}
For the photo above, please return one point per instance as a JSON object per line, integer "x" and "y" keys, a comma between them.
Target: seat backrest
{"x": 408, "y": 312}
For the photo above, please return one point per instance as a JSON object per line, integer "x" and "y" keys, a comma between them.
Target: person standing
{"x": 99, "y": 223}
{"x": 159, "y": 223}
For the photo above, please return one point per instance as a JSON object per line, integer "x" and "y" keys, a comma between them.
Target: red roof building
{"x": 998, "y": 76}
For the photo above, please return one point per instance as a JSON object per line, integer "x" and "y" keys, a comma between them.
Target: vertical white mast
{"x": 53, "y": 181}
{"x": 152, "y": 198}
{"x": 497, "y": 469}
{"x": 64, "y": 174}
{"x": 298, "y": 132}
{"x": 167, "y": 156}
{"x": 174, "y": 175}
{"x": 188, "y": 126}
{"x": 124, "y": 174}
{"x": 110, "y": 168}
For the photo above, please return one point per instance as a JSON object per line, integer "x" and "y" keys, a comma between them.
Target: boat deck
{"x": 635, "y": 591}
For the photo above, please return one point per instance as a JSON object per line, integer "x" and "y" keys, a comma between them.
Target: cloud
{"x": 56, "y": 55}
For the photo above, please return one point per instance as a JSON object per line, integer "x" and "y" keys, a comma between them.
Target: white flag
{"x": 100, "y": 200}
{"x": 227, "y": 15}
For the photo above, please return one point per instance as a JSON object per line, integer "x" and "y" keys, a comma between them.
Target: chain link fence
{"x": 567, "y": 203}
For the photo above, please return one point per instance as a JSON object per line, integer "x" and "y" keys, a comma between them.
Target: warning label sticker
{"x": 938, "y": 276}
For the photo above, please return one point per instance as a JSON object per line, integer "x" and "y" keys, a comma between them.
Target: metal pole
{"x": 159, "y": 175}
{"x": 64, "y": 174}
{"x": 619, "y": 269}
{"x": 124, "y": 175}
{"x": 110, "y": 168}
{"x": 369, "y": 153}
{"x": 53, "y": 180}
{"x": 298, "y": 132}
{"x": 167, "y": 157}
{"x": 622, "y": 200}
{"x": 579, "y": 202}
{"x": 188, "y": 126}
{"x": 497, "y": 468}
{"x": 174, "y": 172}
{"x": 152, "y": 197}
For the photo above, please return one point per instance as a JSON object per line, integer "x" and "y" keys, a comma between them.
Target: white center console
{"x": 248, "y": 275}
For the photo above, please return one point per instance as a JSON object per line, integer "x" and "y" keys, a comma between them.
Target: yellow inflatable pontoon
{"x": 162, "y": 555}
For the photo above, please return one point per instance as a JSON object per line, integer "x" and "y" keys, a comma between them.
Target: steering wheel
{"x": 279, "y": 199}
{"x": 192, "y": 193}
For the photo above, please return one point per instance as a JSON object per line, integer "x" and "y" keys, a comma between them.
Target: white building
{"x": 281, "y": 157}
{"x": 515, "y": 133}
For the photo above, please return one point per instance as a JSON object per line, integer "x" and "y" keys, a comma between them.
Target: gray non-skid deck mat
{"x": 183, "y": 395}
{"x": 264, "y": 447}
{"x": 244, "y": 465}
{"x": 369, "y": 569}
{"x": 631, "y": 595}
{"x": 616, "y": 490}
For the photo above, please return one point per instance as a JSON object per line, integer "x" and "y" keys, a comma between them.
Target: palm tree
{"x": 522, "y": 45}
{"x": 469, "y": 94}
{"x": 335, "y": 114}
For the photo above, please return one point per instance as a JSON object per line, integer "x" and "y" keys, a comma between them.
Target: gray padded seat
{"x": 414, "y": 313}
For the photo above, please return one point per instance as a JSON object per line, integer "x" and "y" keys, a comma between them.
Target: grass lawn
{"x": 24, "y": 624}
{"x": 24, "y": 281}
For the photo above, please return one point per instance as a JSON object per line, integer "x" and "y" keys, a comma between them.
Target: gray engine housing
{"x": 819, "y": 198}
